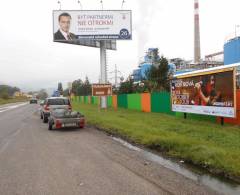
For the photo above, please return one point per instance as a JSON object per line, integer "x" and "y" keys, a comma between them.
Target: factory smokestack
{"x": 197, "y": 52}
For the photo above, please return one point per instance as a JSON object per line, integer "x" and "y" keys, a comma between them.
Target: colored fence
{"x": 114, "y": 101}
{"x": 134, "y": 102}
{"x": 109, "y": 101}
{"x": 155, "y": 102}
{"x": 122, "y": 101}
{"x": 146, "y": 102}
{"x": 160, "y": 102}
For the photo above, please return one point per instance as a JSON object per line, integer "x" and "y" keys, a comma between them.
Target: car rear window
{"x": 58, "y": 102}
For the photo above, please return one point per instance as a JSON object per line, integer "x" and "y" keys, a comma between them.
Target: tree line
{"x": 157, "y": 79}
{"x": 7, "y": 91}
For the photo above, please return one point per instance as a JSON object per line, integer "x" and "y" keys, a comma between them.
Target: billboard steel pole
{"x": 103, "y": 62}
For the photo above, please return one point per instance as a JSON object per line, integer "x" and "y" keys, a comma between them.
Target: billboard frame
{"x": 97, "y": 10}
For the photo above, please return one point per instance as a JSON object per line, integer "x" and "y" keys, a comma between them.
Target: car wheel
{"x": 45, "y": 119}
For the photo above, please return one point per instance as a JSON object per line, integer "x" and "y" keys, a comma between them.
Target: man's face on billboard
{"x": 64, "y": 23}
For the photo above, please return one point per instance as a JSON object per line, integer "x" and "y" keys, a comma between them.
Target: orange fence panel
{"x": 146, "y": 102}
{"x": 114, "y": 101}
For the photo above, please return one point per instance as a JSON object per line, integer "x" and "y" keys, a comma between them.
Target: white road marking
{"x": 4, "y": 109}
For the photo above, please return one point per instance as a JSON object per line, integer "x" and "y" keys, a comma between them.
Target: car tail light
{"x": 46, "y": 107}
{"x": 58, "y": 124}
{"x": 81, "y": 122}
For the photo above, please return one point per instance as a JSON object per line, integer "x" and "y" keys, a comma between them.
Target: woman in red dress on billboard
{"x": 206, "y": 92}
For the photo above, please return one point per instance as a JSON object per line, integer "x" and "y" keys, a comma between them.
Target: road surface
{"x": 36, "y": 161}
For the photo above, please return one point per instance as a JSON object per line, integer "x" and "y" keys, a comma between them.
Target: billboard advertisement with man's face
{"x": 208, "y": 94}
{"x": 92, "y": 25}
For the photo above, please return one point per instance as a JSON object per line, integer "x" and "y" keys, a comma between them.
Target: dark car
{"x": 33, "y": 101}
{"x": 64, "y": 118}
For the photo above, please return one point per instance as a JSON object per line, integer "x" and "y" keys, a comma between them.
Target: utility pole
{"x": 117, "y": 75}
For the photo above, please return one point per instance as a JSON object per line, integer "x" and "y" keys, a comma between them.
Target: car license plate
{"x": 69, "y": 125}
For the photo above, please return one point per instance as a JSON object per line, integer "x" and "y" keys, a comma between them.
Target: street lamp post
{"x": 60, "y": 5}
{"x": 79, "y": 2}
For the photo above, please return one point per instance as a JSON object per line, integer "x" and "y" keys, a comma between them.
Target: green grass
{"x": 203, "y": 143}
{"x": 12, "y": 100}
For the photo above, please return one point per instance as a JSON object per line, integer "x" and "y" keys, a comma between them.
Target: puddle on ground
{"x": 215, "y": 183}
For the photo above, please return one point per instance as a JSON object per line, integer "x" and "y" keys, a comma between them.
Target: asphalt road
{"x": 36, "y": 161}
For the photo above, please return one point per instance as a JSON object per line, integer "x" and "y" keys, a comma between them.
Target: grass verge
{"x": 202, "y": 143}
{"x": 12, "y": 100}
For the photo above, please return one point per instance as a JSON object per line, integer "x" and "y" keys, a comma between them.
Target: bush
{"x": 5, "y": 96}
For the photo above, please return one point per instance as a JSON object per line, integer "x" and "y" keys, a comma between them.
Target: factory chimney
{"x": 197, "y": 51}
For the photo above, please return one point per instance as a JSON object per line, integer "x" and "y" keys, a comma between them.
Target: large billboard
{"x": 70, "y": 25}
{"x": 208, "y": 93}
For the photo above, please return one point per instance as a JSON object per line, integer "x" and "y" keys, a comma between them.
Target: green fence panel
{"x": 79, "y": 99}
{"x": 85, "y": 99}
{"x": 92, "y": 100}
{"x": 160, "y": 102}
{"x": 95, "y": 100}
{"x": 109, "y": 101}
{"x": 134, "y": 102}
{"x": 122, "y": 101}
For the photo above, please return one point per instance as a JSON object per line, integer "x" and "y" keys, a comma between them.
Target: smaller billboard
{"x": 69, "y": 25}
{"x": 208, "y": 93}
{"x": 101, "y": 89}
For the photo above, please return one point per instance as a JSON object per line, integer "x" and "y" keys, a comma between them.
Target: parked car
{"x": 63, "y": 118}
{"x": 33, "y": 101}
{"x": 53, "y": 103}
{"x": 41, "y": 103}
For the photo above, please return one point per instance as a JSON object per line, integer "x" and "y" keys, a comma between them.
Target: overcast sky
{"x": 31, "y": 60}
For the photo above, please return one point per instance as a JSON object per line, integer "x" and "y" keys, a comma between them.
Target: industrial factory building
{"x": 229, "y": 55}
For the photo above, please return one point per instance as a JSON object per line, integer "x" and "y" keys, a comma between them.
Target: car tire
{"x": 45, "y": 119}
